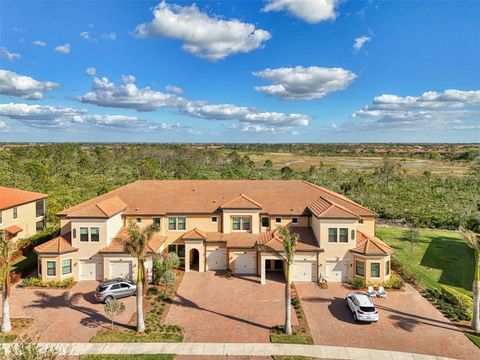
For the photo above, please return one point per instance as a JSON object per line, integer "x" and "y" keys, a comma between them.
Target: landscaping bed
{"x": 19, "y": 325}
{"x": 300, "y": 333}
{"x": 157, "y": 301}
{"x": 36, "y": 283}
{"x": 125, "y": 357}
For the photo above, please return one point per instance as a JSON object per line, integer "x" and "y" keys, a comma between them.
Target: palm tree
{"x": 6, "y": 255}
{"x": 473, "y": 241}
{"x": 136, "y": 245}
{"x": 289, "y": 248}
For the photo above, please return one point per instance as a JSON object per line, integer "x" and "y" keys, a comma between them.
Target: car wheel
{"x": 108, "y": 299}
{"x": 355, "y": 317}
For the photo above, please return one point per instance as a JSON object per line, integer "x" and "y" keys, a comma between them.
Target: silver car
{"x": 114, "y": 289}
{"x": 362, "y": 307}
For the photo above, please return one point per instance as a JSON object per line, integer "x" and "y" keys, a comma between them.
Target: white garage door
{"x": 121, "y": 269}
{"x": 245, "y": 262}
{"x": 217, "y": 258}
{"x": 304, "y": 271}
{"x": 337, "y": 271}
{"x": 90, "y": 270}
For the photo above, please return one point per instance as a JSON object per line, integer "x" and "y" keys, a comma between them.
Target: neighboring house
{"x": 22, "y": 213}
{"x": 220, "y": 225}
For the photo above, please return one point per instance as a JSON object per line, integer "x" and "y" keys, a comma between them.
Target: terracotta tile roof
{"x": 277, "y": 197}
{"x": 13, "y": 230}
{"x": 58, "y": 245}
{"x": 323, "y": 208}
{"x": 14, "y": 197}
{"x": 242, "y": 201}
{"x": 235, "y": 239}
{"x": 116, "y": 246}
{"x": 103, "y": 209}
{"x": 306, "y": 242}
{"x": 194, "y": 234}
{"x": 370, "y": 245}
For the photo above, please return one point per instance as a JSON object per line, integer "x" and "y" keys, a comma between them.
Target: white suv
{"x": 362, "y": 307}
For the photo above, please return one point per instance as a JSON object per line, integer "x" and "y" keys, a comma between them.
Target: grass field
{"x": 438, "y": 258}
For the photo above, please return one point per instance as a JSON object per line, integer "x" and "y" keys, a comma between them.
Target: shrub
{"x": 358, "y": 283}
{"x": 26, "y": 245}
{"x": 406, "y": 274}
{"x": 453, "y": 312}
{"x": 296, "y": 302}
{"x": 394, "y": 283}
{"x": 36, "y": 282}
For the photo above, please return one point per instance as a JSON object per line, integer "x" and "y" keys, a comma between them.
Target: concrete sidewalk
{"x": 198, "y": 349}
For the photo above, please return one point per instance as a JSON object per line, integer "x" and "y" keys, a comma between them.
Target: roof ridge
{"x": 335, "y": 194}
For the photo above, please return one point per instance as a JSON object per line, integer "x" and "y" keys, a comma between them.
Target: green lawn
{"x": 438, "y": 258}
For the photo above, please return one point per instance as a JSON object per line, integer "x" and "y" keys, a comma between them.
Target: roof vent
{"x": 194, "y": 189}
{"x": 214, "y": 201}
{"x": 136, "y": 209}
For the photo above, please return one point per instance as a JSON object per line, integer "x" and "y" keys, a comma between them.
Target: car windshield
{"x": 367, "y": 308}
{"x": 102, "y": 288}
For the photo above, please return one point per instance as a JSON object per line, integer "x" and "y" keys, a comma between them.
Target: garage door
{"x": 337, "y": 271}
{"x": 217, "y": 258}
{"x": 90, "y": 270}
{"x": 304, "y": 271}
{"x": 245, "y": 262}
{"x": 121, "y": 269}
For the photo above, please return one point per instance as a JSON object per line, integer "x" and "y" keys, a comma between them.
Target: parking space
{"x": 61, "y": 315}
{"x": 407, "y": 322}
{"x": 212, "y": 308}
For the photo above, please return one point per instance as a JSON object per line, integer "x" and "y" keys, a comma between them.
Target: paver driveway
{"x": 62, "y": 315}
{"x": 408, "y": 322}
{"x": 212, "y": 308}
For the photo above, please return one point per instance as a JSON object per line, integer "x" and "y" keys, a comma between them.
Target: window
{"x": 177, "y": 223}
{"x": 181, "y": 223}
{"x": 51, "y": 268}
{"x": 265, "y": 222}
{"x": 39, "y": 225}
{"x": 352, "y": 234}
{"x": 95, "y": 234}
{"x": 360, "y": 221}
{"x": 40, "y": 208}
{"x": 66, "y": 266}
{"x": 115, "y": 287}
{"x": 360, "y": 268}
{"x": 332, "y": 235}
{"x": 343, "y": 235}
{"x": 15, "y": 213}
{"x": 138, "y": 220}
{"x": 278, "y": 220}
{"x": 84, "y": 234}
{"x": 375, "y": 269}
{"x": 156, "y": 220}
{"x": 178, "y": 249}
{"x": 294, "y": 220}
{"x": 241, "y": 223}
{"x": 387, "y": 267}
{"x": 214, "y": 219}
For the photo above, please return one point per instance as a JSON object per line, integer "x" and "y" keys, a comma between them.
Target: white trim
{"x": 55, "y": 262}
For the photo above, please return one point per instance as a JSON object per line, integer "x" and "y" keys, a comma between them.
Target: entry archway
{"x": 194, "y": 259}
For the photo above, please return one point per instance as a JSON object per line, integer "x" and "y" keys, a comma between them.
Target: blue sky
{"x": 240, "y": 71}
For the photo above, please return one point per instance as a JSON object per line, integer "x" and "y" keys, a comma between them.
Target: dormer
{"x": 241, "y": 214}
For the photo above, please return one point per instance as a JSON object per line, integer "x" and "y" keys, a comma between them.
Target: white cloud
{"x": 39, "y": 43}
{"x": 450, "y": 109}
{"x": 87, "y": 36}
{"x": 311, "y": 11}
{"x": 109, "y": 36}
{"x": 3, "y": 126}
{"x": 128, "y": 95}
{"x": 10, "y": 56}
{"x": 45, "y": 116}
{"x": 63, "y": 49}
{"x": 304, "y": 83}
{"x": 91, "y": 71}
{"x": 361, "y": 41}
{"x": 174, "y": 89}
{"x": 22, "y": 86}
{"x": 208, "y": 37}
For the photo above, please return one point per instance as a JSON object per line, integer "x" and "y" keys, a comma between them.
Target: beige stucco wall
{"x": 227, "y": 223}
{"x": 26, "y": 219}
{"x": 285, "y": 221}
{"x": 42, "y": 263}
{"x": 368, "y": 226}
